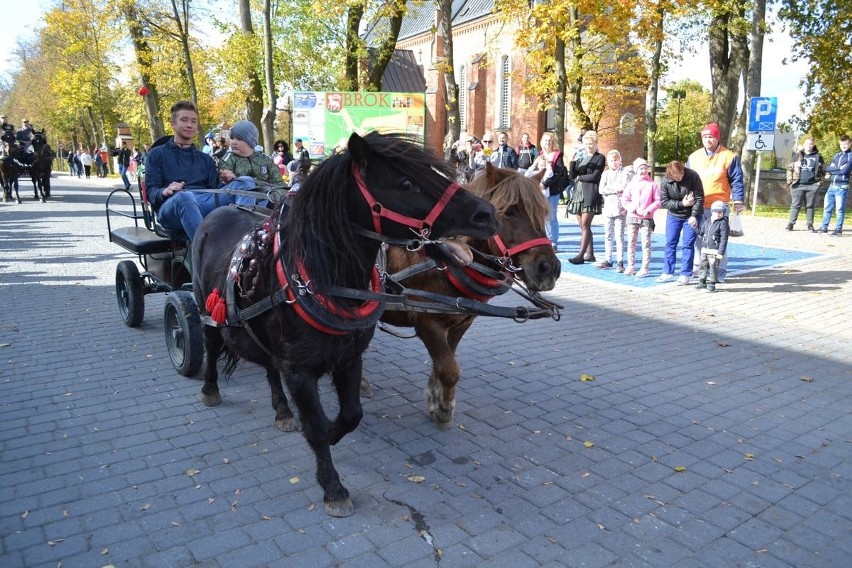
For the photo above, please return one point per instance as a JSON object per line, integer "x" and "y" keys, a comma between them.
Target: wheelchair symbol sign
{"x": 762, "y": 114}
{"x": 760, "y": 141}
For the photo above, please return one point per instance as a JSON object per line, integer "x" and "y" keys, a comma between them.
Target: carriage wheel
{"x": 129, "y": 293}
{"x": 184, "y": 338}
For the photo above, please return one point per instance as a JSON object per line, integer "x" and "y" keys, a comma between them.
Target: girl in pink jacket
{"x": 641, "y": 199}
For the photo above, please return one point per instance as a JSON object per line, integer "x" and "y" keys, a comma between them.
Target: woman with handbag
{"x": 552, "y": 183}
{"x": 586, "y": 171}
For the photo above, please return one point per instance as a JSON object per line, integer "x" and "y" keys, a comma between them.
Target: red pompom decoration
{"x": 143, "y": 91}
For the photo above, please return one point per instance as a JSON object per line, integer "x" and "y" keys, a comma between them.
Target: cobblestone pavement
{"x": 717, "y": 431}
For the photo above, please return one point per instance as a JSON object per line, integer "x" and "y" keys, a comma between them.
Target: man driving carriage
{"x": 176, "y": 167}
{"x": 25, "y": 135}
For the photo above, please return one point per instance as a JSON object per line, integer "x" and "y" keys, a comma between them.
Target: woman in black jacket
{"x": 682, "y": 194}
{"x": 586, "y": 170}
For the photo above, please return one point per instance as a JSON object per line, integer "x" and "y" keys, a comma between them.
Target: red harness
{"x": 379, "y": 211}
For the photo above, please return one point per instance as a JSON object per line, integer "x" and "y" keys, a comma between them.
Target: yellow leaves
{"x": 749, "y": 457}
{"x": 587, "y": 378}
{"x": 679, "y": 468}
{"x": 294, "y": 480}
{"x": 416, "y": 478}
{"x": 192, "y": 472}
{"x": 588, "y": 444}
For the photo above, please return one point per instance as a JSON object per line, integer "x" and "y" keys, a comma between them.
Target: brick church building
{"x": 487, "y": 67}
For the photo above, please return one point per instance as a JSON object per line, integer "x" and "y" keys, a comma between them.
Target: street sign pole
{"x": 756, "y": 184}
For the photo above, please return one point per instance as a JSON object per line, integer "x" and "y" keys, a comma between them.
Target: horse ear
{"x": 491, "y": 174}
{"x": 358, "y": 149}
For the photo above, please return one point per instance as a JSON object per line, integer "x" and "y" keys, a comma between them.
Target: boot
{"x": 789, "y": 227}
{"x": 711, "y": 287}
{"x": 701, "y": 285}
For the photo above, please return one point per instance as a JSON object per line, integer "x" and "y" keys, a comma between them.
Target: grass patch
{"x": 782, "y": 212}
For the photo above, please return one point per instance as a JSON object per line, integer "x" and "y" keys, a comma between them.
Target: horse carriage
{"x": 17, "y": 164}
{"x": 301, "y": 291}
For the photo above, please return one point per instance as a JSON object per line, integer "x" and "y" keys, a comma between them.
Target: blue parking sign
{"x": 761, "y": 114}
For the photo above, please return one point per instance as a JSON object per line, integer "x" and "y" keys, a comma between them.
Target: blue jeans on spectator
{"x": 552, "y": 225}
{"x": 674, "y": 227}
{"x": 835, "y": 198}
{"x": 122, "y": 171}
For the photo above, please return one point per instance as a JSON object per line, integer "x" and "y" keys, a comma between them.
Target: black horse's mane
{"x": 319, "y": 227}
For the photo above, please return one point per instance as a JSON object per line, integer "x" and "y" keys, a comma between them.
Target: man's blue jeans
{"x": 122, "y": 171}
{"x": 674, "y": 226}
{"x": 835, "y": 198}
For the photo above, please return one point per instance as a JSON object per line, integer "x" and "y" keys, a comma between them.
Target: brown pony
{"x": 522, "y": 210}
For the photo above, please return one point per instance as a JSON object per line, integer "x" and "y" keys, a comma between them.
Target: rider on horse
{"x": 25, "y": 135}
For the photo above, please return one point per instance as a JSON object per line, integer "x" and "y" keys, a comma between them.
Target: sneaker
{"x": 720, "y": 280}
{"x": 822, "y": 230}
{"x": 789, "y": 227}
{"x": 711, "y": 287}
{"x": 629, "y": 271}
{"x": 682, "y": 280}
{"x": 665, "y": 278}
{"x": 836, "y": 233}
{"x": 701, "y": 285}
{"x": 642, "y": 273}
{"x": 811, "y": 228}
{"x": 603, "y": 265}
{"x": 619, "y": 267}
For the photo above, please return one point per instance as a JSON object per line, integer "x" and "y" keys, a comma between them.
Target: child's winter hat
{"x": 639, "y": 162}
{"x": 719, "y": 206}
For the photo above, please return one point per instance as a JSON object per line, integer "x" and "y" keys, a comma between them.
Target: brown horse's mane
{"x": 507, "y": 188}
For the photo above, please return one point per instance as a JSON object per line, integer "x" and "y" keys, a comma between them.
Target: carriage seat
{"x": 140, "y": 240}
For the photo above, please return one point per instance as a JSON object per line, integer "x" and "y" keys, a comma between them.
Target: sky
{"x": 779, "y": 80}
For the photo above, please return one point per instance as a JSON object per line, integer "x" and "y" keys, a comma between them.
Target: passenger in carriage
{"x": 177, "y": 167}
{"x": 6, "y": 126}
{"x": 25, "y": 135}
{"x": 246, "y": 168}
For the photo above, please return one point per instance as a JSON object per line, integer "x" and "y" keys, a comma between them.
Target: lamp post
{"x": 678, "y": 95}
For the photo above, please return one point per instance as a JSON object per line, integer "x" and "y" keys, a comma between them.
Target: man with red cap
{"x": 721, "y": 175}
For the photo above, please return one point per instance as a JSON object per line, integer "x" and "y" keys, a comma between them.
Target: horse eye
{"x": 511, "y": 211}
{"x": 406, "y": 185}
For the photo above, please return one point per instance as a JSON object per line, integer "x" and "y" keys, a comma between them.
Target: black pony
{"x": 10, "y": 166}
{"x": 42, "y": 166}
{"x": 291, "y": 287}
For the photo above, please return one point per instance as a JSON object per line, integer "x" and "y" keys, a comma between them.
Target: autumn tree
{"x": 679, "y": 120}
{"x": 821, "y": 30}
{"x": 389, "y": 16}
{"x": 445, "y": 66}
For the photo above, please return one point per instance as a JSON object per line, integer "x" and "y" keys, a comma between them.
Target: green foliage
{"x": 821, "y": 30}
{"x": 694, "y": 108}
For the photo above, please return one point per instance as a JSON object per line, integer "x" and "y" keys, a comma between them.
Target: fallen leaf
{"x": 175, "y": 524}
{"x": 234, "y": 506}
{"x": 749, "y": 456}
{"x": 461, "y": 426}
{"x": 416, "y": 478}
{"x": 294, "y": 480}
{"x": 551, "y": 539}
{"x": 3, "y": 345}
{"x": 710, "y": 382}
{"x": 585, "y": 474}
{"x": 723, "y": 344}
{"x": 312, "y": 506}
{"x": 405, "y": 518}
{"x": 145, "y": 507}
{"x": 586, "y": 378}
{"x": 762, "y": 550}
{"x": 268, "y": 518}
{"x": 226, "y": 460}
{"x": 439, "y": 553}
{"x": 589, "y": 444}
{"x": 25, "y": 515}
{"x": 210, "y": 500}
{"x": 807, "y": 379}
{"x": 105, "y": 551}
{"x": 55, "y": 542}
{"x": 192, "y": 471}
{"x": 679, "y": 468}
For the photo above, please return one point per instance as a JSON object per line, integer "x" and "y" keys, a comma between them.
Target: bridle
{"x": 421, "y": 227}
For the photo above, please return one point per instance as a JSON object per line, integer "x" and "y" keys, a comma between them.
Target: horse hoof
{"x": 342, "y": 508}
{"x": 214, "y": 399}
{"x": 442, "y": 418}
{"x": 287, "y": 425}
{"x": 366, "y": 389}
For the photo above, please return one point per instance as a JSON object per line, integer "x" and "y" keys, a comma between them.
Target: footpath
{"x": 648, "y": 427}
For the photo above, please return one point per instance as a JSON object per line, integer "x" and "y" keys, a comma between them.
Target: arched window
{"x": 504, "y": 91}
{"x": 627, "y": 124}
{"x": 463, "y": 98}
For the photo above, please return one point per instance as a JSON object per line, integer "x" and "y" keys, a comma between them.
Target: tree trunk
{"x": 384, "y": 52}
{"x": 254, "y": 100}
{"x": 144, "y": 56}
{"x": 353, "y": 46}
{"x": 752, "y": 89}
{"x": 182, "y": 21}
{"x": 270, "y": 111}
{"x": 654, "y": 88}
{"x": 575, "y": 86}
{"x": 561, "y": 89}
{"x": 451, "y": 88}
{"x": 728, "y": 57}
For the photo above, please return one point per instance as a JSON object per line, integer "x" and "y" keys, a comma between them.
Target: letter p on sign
{"x": 762, "y": 113}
